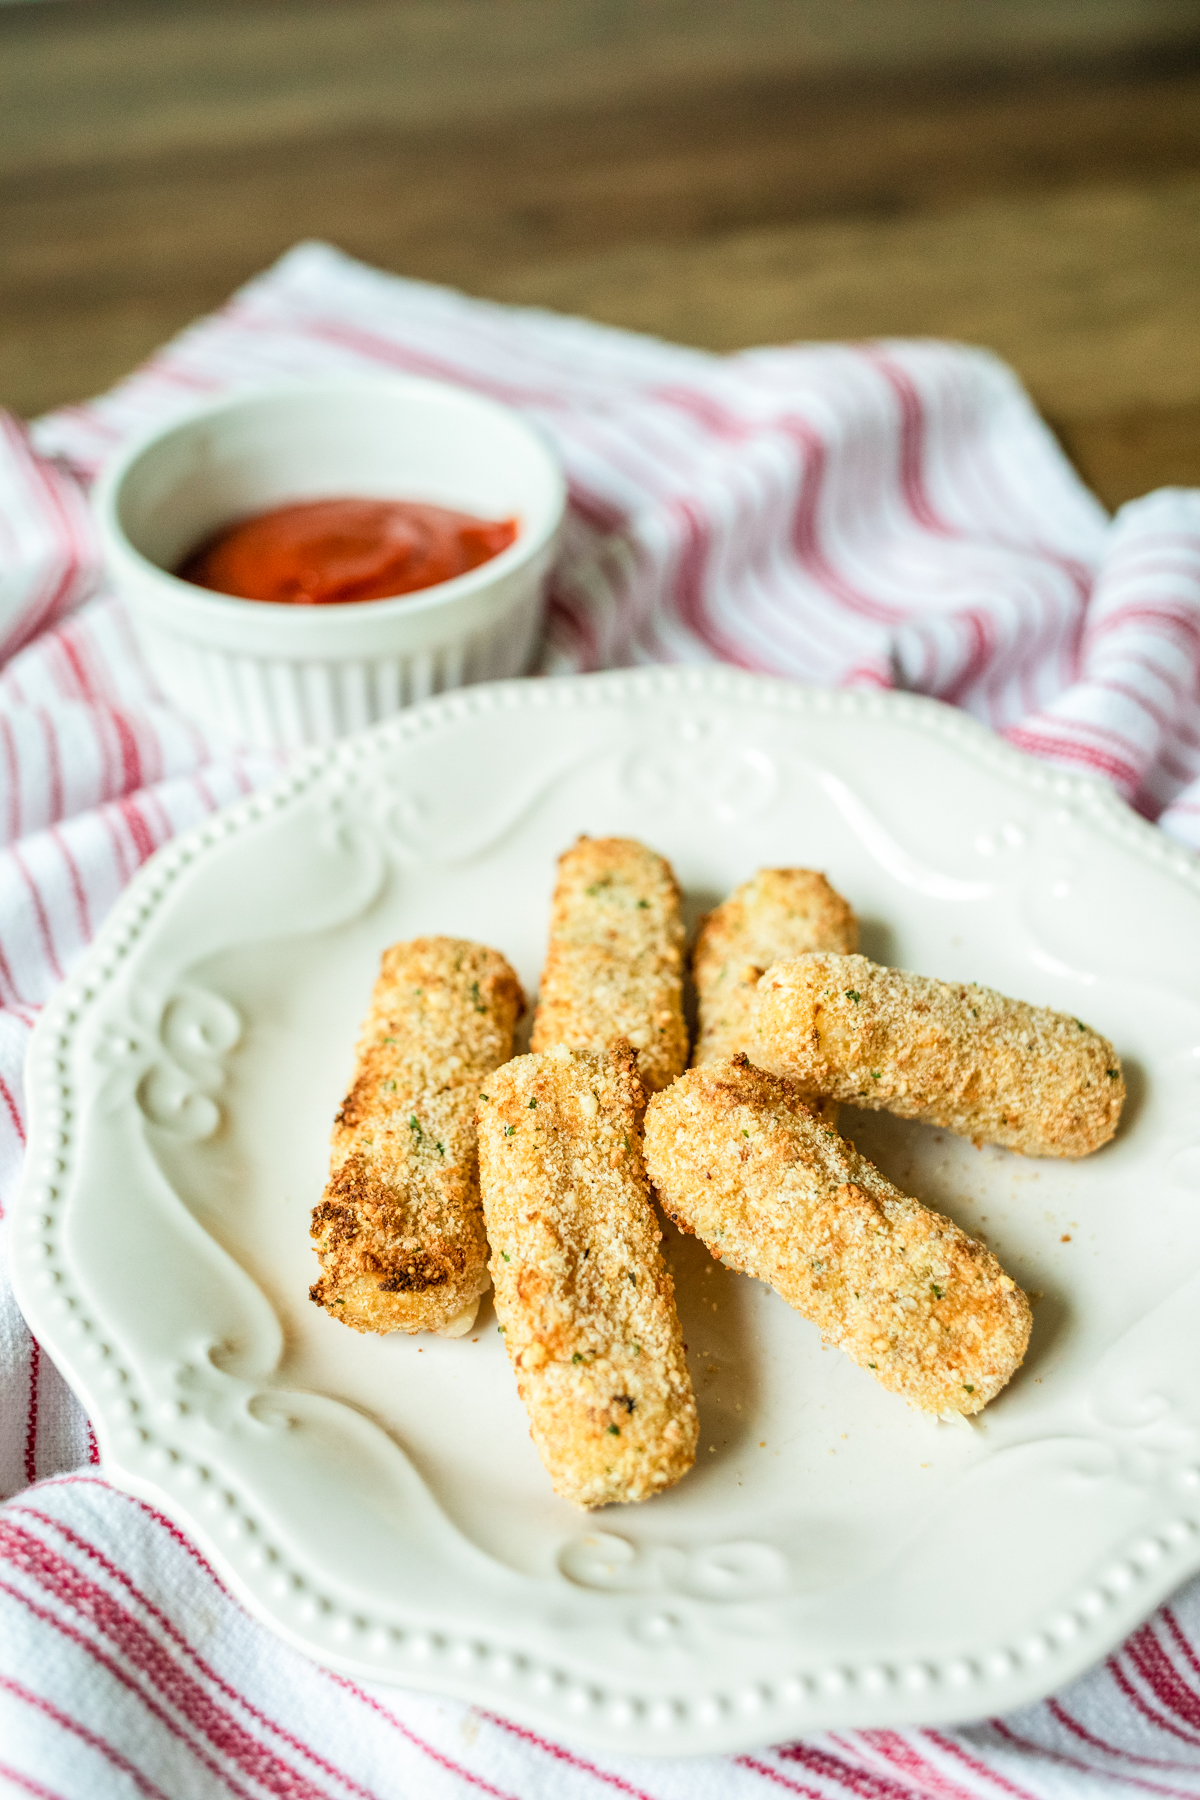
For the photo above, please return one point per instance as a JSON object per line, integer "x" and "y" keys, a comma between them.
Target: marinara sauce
{"x": 325, "y": 552}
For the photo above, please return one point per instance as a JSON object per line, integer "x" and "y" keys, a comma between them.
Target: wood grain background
{"x": 1023, "y": 174}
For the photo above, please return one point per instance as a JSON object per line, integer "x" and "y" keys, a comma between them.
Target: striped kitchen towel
{"x": 890, "y": 514}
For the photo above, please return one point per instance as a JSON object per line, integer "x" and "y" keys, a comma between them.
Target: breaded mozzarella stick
{"x": 736, "y": 1157}
{"x": 777, "y": 915}
{"x": 400, "y": 1230}
{"x": 995, "y": 1070}
{"x": 583, "y": 1296}
{"x": 614, "y": 968}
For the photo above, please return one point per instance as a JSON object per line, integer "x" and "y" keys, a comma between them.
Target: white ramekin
{"x": 280, "y": 676}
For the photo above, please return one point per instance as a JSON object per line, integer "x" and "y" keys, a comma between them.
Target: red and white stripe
{"x": 125, "y": 1667}
{"x": 891, "y": 514}
{"x": 48, "y": 556}
{"x": 1134, "y": 708}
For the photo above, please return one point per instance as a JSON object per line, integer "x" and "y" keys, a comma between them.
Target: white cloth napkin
{"x": 890, "y": 514}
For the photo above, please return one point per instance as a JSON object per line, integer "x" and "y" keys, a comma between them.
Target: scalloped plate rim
{"x": 736, "y": 1722}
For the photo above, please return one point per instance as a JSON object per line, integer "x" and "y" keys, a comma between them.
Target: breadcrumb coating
{"x": 400, "y": 1231}
{"x": 995, "y": 1070}
{"x": 584, "y": 1298}
{"x": 737, "y": 1157}
{"x": 777, "y": 915}
{"x": 614, "y": 967}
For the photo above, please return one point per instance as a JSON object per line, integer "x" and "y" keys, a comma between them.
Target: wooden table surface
{"x": 1023, "y": 175}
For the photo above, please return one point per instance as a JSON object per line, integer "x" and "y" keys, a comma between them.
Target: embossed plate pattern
{"x": 834, "y": 1558}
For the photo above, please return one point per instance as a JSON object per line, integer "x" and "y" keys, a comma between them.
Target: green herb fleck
{"x": 637, "y": 1349}
{"x": 577, "y": 1358}
{"x": 643, "y": 906}
{"x": 341, "y": 1303}
{"x": 1112, "y": 1074}
{"x": 500, "y": 1329}
{"x": 440, "y": 1148}
{"x": 625, "y": 1139}
{"x": 853, "y": 994}
{"x": 937, "y": 1292}
{"x": 875, "y": 1073}
{"x": 745, "y": 1134}
{"x": 872, "y": 1365}
{"x": 531, "y": 1106}
{"x": 970, "y": 1389}
{"x": 506, "y": 1256}
{"x": 1081, "y": 1024}
{"x": 614, "y": 1431}
{"x": 475, "y": 999}
{"x": 389, "y": 1040}
{"x": 391, "y": 1086}
{"x": 510, "y": 1131}
{"x": 632, "y": 1276}
{"x": 414, "y": 1124}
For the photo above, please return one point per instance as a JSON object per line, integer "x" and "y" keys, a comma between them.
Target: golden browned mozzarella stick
{"x": 584, "y": 1299}
{"x": 995, "y": 1070}
{"x": 777, "y": 915}
{"x": 400, "y": 1230}
{"x": 614, "y": 968}
{"x": 737, "y": 1157}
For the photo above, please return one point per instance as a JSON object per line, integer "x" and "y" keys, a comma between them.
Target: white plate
{"x": 834, "y": 1558}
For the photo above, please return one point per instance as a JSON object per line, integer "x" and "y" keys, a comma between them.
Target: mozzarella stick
{"x": 737, "y": 1157}
{"x": 584, "y": 1299}
{"x": 995, "y": 1070}
{"x": 400, "y": 1230}
{"x": 614, "y": 968}
{"x": 776, "y": 916}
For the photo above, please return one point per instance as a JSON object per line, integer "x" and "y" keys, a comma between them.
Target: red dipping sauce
{"x": 326, "y": 552}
